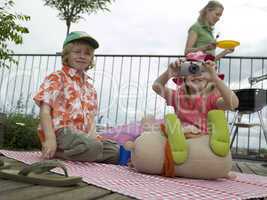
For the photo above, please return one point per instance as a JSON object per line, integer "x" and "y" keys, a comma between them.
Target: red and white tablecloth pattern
{"x": 126, "y": 181}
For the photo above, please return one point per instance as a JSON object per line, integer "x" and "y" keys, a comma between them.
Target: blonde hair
{"x": 211, "y": 5}
{"x": 67, "y": 49}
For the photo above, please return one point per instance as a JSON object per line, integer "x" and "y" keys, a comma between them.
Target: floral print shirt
{"x": 72, "y": 99}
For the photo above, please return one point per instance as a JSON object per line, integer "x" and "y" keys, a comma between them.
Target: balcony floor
{"x": 16, "y": 190}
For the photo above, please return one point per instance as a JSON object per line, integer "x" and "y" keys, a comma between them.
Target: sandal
{"x": 39, "y": 173}
{"x": 3, "y": 164}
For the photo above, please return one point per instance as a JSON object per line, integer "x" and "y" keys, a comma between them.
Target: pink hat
{"x": 199, "y": 56}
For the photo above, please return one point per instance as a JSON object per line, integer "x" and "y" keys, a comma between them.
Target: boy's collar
{"x": 72, "y": 72}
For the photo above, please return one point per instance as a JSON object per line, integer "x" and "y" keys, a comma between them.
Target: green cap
{"x": 80, "y": 35}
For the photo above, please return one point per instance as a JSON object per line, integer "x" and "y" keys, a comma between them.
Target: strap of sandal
{"x": 43, "y": 166}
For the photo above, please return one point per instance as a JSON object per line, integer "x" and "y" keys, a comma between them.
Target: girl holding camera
{"x": 198, "y": 94}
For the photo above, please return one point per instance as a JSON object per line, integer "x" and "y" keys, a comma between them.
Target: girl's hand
{"x": 210, "y": 74}
{"x": 174, "y": 68}
{"x": 49, "y": 148}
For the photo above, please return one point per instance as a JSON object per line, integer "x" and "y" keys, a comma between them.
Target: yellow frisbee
{"x": 227, "y": 44}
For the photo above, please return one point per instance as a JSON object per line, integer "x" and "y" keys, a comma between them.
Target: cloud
{"x": 144, "y": 27}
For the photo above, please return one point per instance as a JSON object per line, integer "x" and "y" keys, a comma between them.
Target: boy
{"x": 68, "y": 104}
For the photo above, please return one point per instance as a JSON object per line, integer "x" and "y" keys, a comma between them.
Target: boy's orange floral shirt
{"x": 72, "y": 99}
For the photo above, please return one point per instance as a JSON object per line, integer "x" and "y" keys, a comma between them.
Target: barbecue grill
{"x": 251, "y": 100}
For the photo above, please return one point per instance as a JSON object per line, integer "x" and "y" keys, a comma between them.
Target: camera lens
{"x": 194, "y": 69}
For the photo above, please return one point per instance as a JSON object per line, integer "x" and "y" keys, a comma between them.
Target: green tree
{"x": 71, "y": 10}
{"x": 10, "y": 30}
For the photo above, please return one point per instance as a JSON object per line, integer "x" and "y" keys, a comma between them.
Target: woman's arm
{"x": 49, "y": 146}
{"x": 191, "y": 40}
{"x": 223, "y": 53}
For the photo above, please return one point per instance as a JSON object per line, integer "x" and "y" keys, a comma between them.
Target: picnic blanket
{"x": 127, "y": 181}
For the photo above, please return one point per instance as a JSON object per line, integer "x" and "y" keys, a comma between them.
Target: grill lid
{"x": 251, "y": 99}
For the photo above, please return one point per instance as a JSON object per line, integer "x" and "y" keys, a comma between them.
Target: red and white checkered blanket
{"x": 128, "y": 182}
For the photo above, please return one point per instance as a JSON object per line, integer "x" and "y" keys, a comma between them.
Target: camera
{"x": 191, "y": 68}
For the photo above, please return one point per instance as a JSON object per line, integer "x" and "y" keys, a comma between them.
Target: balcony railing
{"x": 123, "y": 84}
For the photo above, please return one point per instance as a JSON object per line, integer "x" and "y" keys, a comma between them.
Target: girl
{"x": 195, "y": 97}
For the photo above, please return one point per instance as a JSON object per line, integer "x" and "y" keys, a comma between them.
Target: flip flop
{"x": 4, "y": 165}
{"x": 39, "y": 173}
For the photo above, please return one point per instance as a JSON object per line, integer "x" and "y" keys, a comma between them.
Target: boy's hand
{"x": 49, "y": 148}
{"x": 174, "y": 68}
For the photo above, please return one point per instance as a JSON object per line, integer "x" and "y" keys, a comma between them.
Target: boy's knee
{"x": 92, "y": 150}
{"x": 79, "y": 147}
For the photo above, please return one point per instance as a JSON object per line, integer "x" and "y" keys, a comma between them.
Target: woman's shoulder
{"x": 195, "y": 27}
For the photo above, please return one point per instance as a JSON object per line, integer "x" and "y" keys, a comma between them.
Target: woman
{"x": 200, "y": 35}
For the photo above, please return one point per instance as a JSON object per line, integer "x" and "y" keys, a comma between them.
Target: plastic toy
{"x": 205, "y": 157}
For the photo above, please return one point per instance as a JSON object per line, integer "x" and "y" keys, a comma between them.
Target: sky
{"x": 146, "y": 26}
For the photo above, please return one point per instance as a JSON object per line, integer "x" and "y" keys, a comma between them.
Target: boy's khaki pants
{"x": 75, "y": 146}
